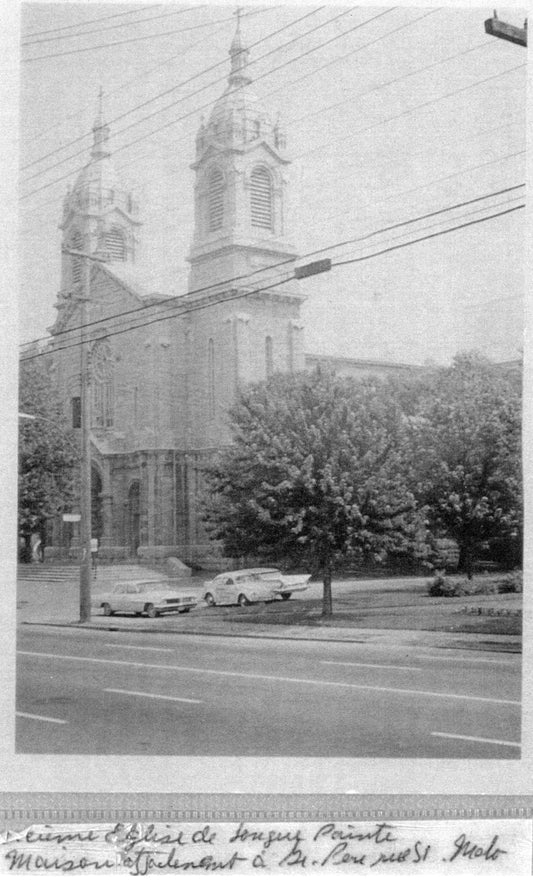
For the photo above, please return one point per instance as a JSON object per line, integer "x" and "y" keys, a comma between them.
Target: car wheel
{"x": 242, "y": 601}
{"x": 209, "y": 600}
{"x": 107, "y": 609}
{"x": 150, "y": 611}
{"x": 286, "y": 595}
{"x": 185, "y": 610}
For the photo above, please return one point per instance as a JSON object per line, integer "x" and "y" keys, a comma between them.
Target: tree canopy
{"x": 316, "y": 474}
{"x": 466, "y": 462}
{"x": 48, "y": 452}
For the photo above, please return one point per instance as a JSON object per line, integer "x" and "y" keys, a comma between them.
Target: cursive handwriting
{"x": 464, "y": 848}
{"x": 143, "y": 862}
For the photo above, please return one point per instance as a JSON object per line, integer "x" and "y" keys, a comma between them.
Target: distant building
{"x": 160, "y": 390}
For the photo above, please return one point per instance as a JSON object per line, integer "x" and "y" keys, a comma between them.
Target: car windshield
{"x": 157, "y": 587}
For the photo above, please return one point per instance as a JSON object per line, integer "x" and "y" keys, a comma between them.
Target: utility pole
{"x": 496, "y": 28}
{"x": 85, "y": 474}
{"x": 85, "y": 479}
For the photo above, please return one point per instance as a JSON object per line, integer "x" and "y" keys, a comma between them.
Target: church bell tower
{"x": 100, "y": 216}
{"x": 241, "y": 188}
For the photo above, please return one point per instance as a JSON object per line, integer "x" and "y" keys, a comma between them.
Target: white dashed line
{"x": 139, "y": 647}
{"x": 262, "y": 676}
{"x": 369, "y": 665}
{"x": 474, "y": 739}
{"x": 152, "y": 696}
{"x": 41, "y": 718}
{"x": 458, "y": 660}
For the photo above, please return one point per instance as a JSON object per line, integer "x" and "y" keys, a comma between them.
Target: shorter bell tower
{"x": 100, "y": 216}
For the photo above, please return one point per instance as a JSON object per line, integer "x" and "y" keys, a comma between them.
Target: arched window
{"x": 115, "y": 244}
{"x": 211, "y": 378}
{"x": 261, "y": 198}
{"x": 76, "y": 243}
{"x": 215, "y": 199}
{"x": 269, "y": 356}
{"x": 102, "y": 386}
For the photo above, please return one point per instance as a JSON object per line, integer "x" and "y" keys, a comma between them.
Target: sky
{"x": 391, "y": 113}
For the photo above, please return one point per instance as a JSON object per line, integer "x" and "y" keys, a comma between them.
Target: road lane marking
{"x": 139, "y": 647}
{"x": 309, "y": 681}
{"x": 41, "y": 718}
{"x": 369, "y": 665}
{"x": 152, "y": 696}
{"x": 470, "y": 659}
{"x": 474, "y": 739}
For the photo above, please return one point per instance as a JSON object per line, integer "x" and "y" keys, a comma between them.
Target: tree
{"x": 466, "y": 463}
{"x": 48, "y": 454}
{"x": 315, "y": 475}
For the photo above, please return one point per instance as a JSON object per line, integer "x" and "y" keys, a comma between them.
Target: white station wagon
{"x": 148, "y": 597}
{"x": 244, "y": 587}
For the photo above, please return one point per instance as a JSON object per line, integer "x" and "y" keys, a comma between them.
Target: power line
{"x": 111, "y": 27}
{"x": 428, "y": 237}
{"x": 414, "y": 108}
{"x": 104, "y": 18}
{"x": 268, "y": 73}
{"x": 493, "y": 206}
{"x": 141, "y": 75}
{"x": 178, "y": 86}
{"x": 128, "y": 40}
{"x": 232, "y": 280}
{"x": 164, "y": 302}
{"x": 270, "y": 286}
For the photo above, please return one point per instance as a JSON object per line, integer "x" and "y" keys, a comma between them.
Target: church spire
{"x": 239, "y": 56}
{"x": 100, "y": 130}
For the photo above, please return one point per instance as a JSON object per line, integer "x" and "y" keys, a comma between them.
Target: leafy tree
{"x": 48, "y": 453}
{"x": 466, "y": 464}
{"x": 315, "y": 475}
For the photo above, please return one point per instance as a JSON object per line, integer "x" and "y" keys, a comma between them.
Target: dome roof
{"x": 237, "y": 102}
{"x": 98, "y": 173}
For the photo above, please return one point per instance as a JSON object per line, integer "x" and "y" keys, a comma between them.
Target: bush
{"x": 511, "y": 583}
{"x": 443, "y": 587}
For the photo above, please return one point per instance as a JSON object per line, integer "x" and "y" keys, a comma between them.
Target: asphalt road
{"x": 88, "y": 692}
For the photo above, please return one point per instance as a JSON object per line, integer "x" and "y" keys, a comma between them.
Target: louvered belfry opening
{"x": 115, "y": 245}
{"x": 261, "y": 198}
{"x": 76, "y": 243}
{"x": 216, "y": 200}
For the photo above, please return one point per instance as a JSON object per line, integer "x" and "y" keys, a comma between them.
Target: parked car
{"x": 244, "y": 587}
{"x": 148, "y": 597}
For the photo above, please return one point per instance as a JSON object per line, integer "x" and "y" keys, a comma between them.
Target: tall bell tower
{"x": 241, "y": 188}
{"x": 100, "y": 216}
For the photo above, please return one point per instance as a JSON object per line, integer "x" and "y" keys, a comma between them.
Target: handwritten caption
{"x": 473, "y": 846}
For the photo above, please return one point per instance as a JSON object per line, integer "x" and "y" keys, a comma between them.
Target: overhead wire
{"x": 69, "y": 52}
{"x": 104, "y": 18}
{"x": 164, "y": 303}
{"x": 234, "y": 296}
{"x": 111, "y": 27}
{"x": 178, "y": 86}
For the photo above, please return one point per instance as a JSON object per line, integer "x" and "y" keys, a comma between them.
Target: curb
{"x": 510, "y": 647}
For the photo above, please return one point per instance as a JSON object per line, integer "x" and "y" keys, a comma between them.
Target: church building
{"x": 165, "y": 368}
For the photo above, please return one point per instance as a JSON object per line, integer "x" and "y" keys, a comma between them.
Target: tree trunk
{"x": 466, "y": 561}
{"x": 327, "y": 601}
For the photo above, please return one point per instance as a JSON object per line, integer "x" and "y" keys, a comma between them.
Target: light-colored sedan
{"x": 148, "y": 597}
{"x": 244, "y": 587}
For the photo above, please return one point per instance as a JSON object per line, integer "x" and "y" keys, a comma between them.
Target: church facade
{"x": 165, "y": 368}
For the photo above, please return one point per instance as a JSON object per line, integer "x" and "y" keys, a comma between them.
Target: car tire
{"x": 209, "y": 600}
{"x": 242, "y": 601}
{"x": 286, "y": 595}
{"x": 150, "y": 611}
{"x": 106, "y": 608}
{"x": 185, "y": 610}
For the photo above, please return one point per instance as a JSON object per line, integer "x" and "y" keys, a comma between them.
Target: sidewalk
{"x": 58, "y": 606}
